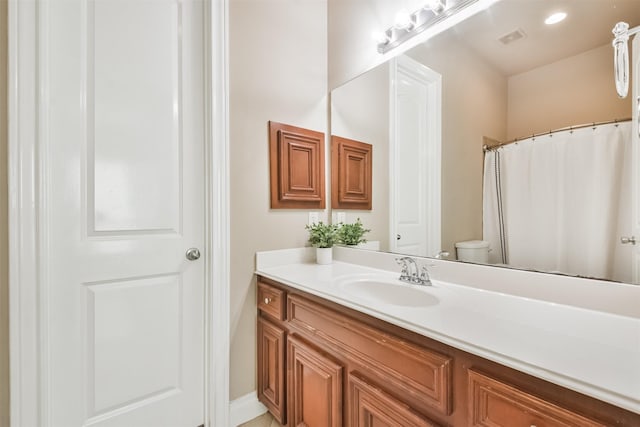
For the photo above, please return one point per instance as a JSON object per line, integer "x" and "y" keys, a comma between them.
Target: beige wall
{"x": 277, "y": 71}
{"x": 4, "y": 254}
{"x": 575, "y": 90}
{"x": 360, "y": 111}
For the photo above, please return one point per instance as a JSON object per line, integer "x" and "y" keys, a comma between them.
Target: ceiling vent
{"x": 513, "y": 36}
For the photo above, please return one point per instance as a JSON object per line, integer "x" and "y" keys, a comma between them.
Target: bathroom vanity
{"x": 346, "y": 344}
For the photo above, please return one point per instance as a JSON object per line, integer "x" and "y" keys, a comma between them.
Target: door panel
{"x": 136, "y": 112}
{"x": 124, "y": 191}
{"x": 136, "y": 355}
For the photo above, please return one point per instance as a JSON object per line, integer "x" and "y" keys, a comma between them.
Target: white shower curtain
{"x": 560, "y": 202}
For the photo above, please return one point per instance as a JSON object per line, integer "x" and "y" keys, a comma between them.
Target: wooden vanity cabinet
{"x": 323, "y": 365}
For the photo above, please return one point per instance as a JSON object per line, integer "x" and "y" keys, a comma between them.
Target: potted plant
{"x": 323, "y": 237}
{"x": 352, "y": 234}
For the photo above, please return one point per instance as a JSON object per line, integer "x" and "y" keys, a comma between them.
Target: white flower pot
{"x": 324, "y": 255}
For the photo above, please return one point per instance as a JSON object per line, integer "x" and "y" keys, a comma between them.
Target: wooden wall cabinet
{"x": 296, "y": 161}
{"x": 351, "y": 174}
{"x": 323, "y": 365}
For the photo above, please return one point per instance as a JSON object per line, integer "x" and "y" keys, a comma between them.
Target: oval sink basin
{"x": 389, "y": 291}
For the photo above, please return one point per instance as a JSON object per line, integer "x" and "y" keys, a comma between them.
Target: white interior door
{"x": 635, "y": 141}
{"x": 123, "y": 164}
{"x": 415, "y": 158}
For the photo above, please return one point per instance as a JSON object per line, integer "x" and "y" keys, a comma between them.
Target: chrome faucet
{"x": 410, "y": 273}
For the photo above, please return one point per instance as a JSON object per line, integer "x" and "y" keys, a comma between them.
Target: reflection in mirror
{"x": 560, "y": 201}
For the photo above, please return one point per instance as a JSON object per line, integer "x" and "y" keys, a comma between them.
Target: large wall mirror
{"x": 447, "y": 174}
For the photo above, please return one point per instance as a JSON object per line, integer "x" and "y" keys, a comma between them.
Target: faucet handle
{"x": 424, "y": 274}
{"x": 404, "y": 273}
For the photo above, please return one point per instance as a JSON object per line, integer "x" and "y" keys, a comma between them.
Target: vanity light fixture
{"x": 408, "y": 24}
{"x": 555, "y": 18}
{"x": 621, "y": 56}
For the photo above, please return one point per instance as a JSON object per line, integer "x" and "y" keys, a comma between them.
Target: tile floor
{"x": 265, "y": 420}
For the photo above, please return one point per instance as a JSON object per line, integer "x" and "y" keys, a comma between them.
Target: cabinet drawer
{"x": 271, "y": 300}
{"x": 494, "y": 403}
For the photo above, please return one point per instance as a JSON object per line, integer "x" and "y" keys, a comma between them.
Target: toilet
{"x": 473, "y": 251}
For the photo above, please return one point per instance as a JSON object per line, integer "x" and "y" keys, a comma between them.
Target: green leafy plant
{"x": 352, "y": 234}
{"x": 322, "y": 235}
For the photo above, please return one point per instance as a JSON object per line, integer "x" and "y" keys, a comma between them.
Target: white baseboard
{"x": 245, "y": 409}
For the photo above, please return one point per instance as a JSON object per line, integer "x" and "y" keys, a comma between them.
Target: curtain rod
{"x": 485, "y": 147}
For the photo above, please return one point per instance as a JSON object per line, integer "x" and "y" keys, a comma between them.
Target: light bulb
{"x": 436, "y": 6}
{"x": 403, "y": 20}
{"x": 380, "y": 37}
{"x": 555, "y": 18}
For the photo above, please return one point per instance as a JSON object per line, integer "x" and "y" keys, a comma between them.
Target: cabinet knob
{"x": 267, "y": 300}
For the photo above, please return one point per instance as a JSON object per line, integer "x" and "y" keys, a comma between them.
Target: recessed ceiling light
{"x": 555, "y": 18}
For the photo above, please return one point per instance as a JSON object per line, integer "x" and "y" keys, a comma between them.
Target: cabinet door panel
{"x": 315, "y": 387}
{"x": 421, "y": 374}
{"x": 371, "y": 407}
{"x": 496, "y": 404}
{"x": 271, "y": 371}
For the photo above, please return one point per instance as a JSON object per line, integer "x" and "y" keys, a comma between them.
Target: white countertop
{"x": 594, "y": 352}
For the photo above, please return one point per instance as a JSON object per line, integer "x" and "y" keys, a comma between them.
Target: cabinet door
{"x": 271, "y": 372}
{"x": 315, "y": 387}
{"x": 371, "y": 407}
{"x": 496, "y": 404}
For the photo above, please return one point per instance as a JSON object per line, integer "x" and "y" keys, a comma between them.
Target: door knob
{"x": 398, "y": 237}
{"x": 192, "y": 254}
{"x": 628, "y": 240}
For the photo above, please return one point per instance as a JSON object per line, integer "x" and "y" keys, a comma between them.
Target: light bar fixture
{"x": 407, "y": 25}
